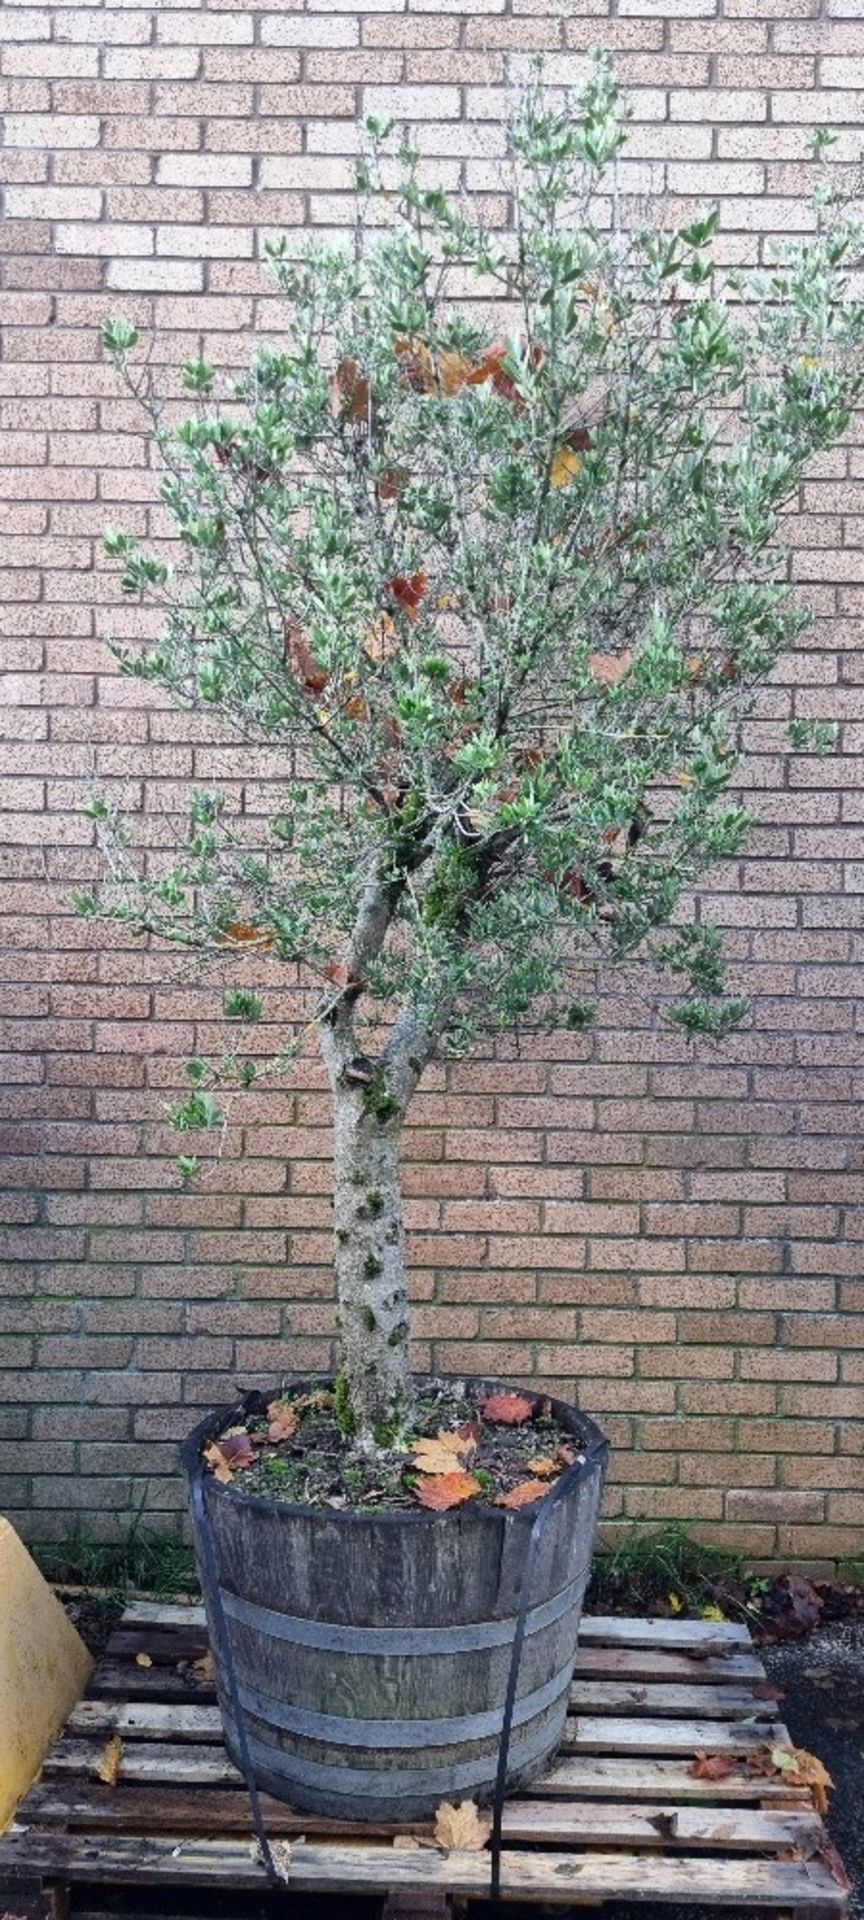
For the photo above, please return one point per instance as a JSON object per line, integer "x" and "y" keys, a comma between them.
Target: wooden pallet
{"x": 619, "y": 1817}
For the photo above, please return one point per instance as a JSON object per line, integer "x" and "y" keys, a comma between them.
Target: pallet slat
{"x": 679, "y": 1879}
{"x": 636, "y": 1698}
{"x": 117, "y": 1675}
{"x": 607, "y": 1630}
{"x": 592, "y": 1776}
{"x": 645, "y": 1730}
{"x": 619, "y": 1817}
{"x": 202, "y": 1811}
{"x": 599, "y": 1734}
{"x": 156, "y": 1763}
{"x": 122, "y": 1681}
{"x": 142, "y": 1761}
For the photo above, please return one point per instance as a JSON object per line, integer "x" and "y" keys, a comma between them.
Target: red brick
{"x": 607, "y": 1212}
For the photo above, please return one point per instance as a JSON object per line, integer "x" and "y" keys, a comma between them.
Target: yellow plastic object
{"x": 44, "y": 1668}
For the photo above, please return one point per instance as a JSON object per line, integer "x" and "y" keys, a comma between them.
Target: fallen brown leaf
{"x": 283, "y": 1420}
{"x": 382, "y": 640}
{"x": 108, "y": 1766}
{"x": 461, "y": 1827}
{"x": 143, "y": 1660}
{"x": 507, "y": 1409}
{"x": 215, "y": 1458}
{"x": 391, "y": 481}
{"x": 446, "y": 1451}
{"x": 522, "y": 1495}
{"x": 712, "y": 1766}
{"x": 237, "y": 1449}
{"x": 300, "y": 658}
{"x": 444, "y": 1490}
{"x": 795, "y": 1764}
{"x": 544, "y": 1468}
{"x": 349, "y": 392}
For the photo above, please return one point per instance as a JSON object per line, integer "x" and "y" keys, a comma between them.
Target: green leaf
{"x": 200, "y": 1111}
{"x": 714, "y": 1018}
{"x": 119, "y": 336}
{"x": 240, "y": 1004}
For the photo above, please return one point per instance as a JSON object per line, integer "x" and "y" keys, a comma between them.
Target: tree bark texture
{"x": 370, "y": 1255}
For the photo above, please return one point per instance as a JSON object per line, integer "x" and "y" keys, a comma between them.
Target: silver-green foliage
{"x": 499, "y": 604}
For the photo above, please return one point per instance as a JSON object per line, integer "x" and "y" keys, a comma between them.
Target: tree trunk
{"x": 370, "y": 1255}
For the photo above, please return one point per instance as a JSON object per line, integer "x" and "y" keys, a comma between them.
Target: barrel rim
{"x": 595, "y": 1448}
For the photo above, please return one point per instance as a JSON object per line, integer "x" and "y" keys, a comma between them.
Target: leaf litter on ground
{"x": 503, "y": 1447}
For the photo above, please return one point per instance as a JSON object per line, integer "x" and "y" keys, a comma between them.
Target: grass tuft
{"x": 645, "y": 1568}
{"x": 140, "y": 1559}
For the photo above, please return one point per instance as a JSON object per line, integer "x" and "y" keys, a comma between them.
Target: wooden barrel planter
{"x": 372, "y": 1651}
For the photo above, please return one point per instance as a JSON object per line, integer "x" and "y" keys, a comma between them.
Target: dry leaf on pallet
{"x": 522, "y": 1495}
{"x": 443, "y": 1490}
{"x": 108, "y": 1768}
{"x": 461, "y": 1827}
{"x": 507, "y": 1409}
{"x": 800, "y": 1768}
{"x": 205, "y": 1667}
{"x": 712, "y": 1766}
{"x": 143, "y": 1660}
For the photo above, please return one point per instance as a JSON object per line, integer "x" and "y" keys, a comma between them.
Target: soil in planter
{"x": 464, "y": 1442}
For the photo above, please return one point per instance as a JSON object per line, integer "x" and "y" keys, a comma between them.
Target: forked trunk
{"x": 370, "y": 1257}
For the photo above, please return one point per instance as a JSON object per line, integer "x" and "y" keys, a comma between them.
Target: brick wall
{"x": 677, "y": 1236}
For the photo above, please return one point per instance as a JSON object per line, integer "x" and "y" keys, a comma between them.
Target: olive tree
{"x": 485, "y": 547}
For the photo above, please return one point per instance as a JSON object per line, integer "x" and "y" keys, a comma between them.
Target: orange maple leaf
{"x": 507, "y": 1409}
{"x": 523, "y": 1494}
{"x": 444, "y": 1452}
{"x": 443, "y": 1490}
